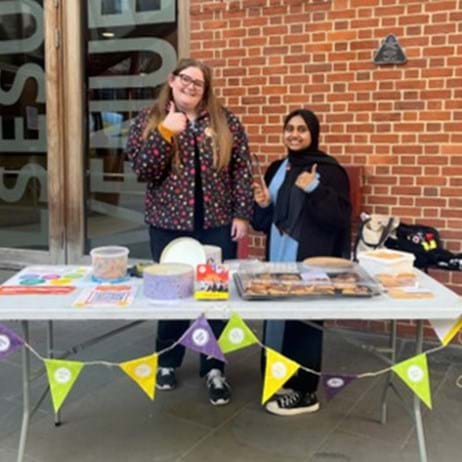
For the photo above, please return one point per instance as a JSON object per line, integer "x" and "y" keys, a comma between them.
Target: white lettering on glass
{"x": 114, "y": 136}
{"x": 129, "y": 15}
{"x": 19, "y": 143}
{"x": 25, "y": 7}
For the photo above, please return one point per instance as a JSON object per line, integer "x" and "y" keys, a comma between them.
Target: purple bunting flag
{"x": 9, "y": 341}
{"x": 199, "y": 337}
{"x": 334, "y": 383}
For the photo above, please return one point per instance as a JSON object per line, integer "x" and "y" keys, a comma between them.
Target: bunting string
{"x": 100, "y": 362}
{"x": 199, "y": 337}
{"x": 261, "y": 345}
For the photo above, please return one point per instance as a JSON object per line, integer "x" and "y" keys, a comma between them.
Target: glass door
{"x": 24, "y": 160}
{"x": 130, "y": 47}
{"x": 72, "y": 77}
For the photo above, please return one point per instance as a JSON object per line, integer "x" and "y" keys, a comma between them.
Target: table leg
{"x": 389, "y": 381}
{"x": 417, "y": 407}
{"x": 25, "y": 393}
{"x": 50, "y": 349}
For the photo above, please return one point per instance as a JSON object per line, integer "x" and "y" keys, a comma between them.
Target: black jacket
{"x": 326, "y": 214}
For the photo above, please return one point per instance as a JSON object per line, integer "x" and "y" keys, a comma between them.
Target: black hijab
{"x": 291, "y": 198}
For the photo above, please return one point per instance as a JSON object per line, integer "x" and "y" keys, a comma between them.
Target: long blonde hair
{"x": 219, "y": 135}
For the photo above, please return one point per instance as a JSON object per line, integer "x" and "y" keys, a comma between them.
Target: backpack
{"x": 425, "y": 243}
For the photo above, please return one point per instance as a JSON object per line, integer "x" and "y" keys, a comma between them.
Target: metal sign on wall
{"x": 390, "y": 52}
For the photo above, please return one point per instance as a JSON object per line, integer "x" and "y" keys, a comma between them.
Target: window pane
{"x": 23, "y": 144}
{"x": 128, "y": 58}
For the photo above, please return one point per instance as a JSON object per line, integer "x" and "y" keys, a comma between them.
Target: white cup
{"x": 213, "y": 252}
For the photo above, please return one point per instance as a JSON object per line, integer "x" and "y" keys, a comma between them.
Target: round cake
{"x": 168, "y": 281}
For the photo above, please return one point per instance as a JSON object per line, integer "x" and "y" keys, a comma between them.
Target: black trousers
{"x": 303, "y": 344}
{"x": 168, "y": 332}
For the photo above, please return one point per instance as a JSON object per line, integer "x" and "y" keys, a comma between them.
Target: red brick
{"x": 403, "y": 122}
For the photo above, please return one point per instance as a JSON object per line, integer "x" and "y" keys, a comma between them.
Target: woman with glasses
{"x": 194, "y": 156}
{"x": 303, "y": 206}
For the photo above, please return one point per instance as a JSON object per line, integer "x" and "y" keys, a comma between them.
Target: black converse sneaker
{"x": 283, "y": 391}
{"x": 293, "y": 404}
{"x": 166, "y": 379}
{"x": 218, "y": 387}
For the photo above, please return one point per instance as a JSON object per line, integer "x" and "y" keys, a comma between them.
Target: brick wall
{"x": 402, "y": 123}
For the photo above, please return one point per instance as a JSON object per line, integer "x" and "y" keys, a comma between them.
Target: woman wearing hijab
{"x": 304, "y": 209}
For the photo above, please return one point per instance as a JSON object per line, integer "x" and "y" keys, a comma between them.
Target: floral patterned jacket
{"x": 169, "y": 200}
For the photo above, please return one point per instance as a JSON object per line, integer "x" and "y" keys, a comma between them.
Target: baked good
{"x": 356, "y": 290}
{"x": 390, "y": 280}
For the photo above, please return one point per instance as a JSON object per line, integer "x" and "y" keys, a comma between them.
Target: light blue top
{"x": 282, "y": 246}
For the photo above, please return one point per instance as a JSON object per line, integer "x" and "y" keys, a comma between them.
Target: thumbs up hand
{"x": 175, "y": 121}
{"x": 305, "y": 178}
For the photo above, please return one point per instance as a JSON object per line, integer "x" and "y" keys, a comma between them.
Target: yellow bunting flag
{"x": 143, "y": 372}
{"x": 414, "y": 373}
{"x": 236, "y": 335}
{"x": 446, "y": 329}
{"x": 278, "y": 370}
{"x": 61, "y": 377}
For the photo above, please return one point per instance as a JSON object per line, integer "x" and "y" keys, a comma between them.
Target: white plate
{"x": 184, "y": 250}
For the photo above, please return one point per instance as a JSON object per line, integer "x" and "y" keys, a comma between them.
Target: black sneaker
{"x": 166, "y": 379}
{"x": 283, "y": 391}
{"x": 219, "y": 389}
{"x": 293, "y": 404}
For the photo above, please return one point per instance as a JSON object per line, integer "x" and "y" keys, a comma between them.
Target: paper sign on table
{"x": 36, "y": 290}
{"x": 47, "y": 280}
{"x": 110, "y": 296}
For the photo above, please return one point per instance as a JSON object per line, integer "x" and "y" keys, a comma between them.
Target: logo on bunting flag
{"x": 9, "y": 341}
{"x": 278, "y": 370}
{"x": 236, "y": 335}
{"x": 414, "y": 373}
{"x": 334, "y": 383}
{"x": 61, "y": 377}
{"x": 143, "y": 372}
{"x": 199, "y": 337}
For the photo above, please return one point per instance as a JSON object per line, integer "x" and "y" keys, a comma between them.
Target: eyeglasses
{"x": 186, "y": 81}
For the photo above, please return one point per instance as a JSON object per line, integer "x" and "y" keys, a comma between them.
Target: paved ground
{"x": 108, "y": 418}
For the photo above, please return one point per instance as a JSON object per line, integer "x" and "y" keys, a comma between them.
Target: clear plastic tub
{"x": 109, "y": 263}
{"x": 386, "y": 261}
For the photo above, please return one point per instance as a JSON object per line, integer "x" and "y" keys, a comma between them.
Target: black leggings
{"x": 168, "y": 332}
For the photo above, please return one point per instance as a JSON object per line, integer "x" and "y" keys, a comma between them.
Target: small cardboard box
{"x": 212, "y": 282}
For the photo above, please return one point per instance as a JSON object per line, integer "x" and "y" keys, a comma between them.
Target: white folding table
{"x": 29, "y": 308}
